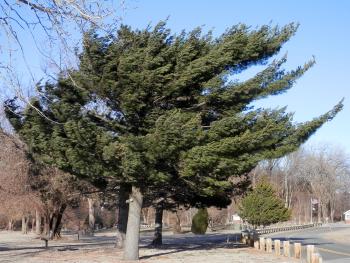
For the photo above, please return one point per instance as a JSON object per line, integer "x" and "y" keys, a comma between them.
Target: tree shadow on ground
{"x": 58, "y": 247}
{"x": 171, "y": 244}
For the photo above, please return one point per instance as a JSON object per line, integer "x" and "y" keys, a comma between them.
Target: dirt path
{"x": 15, "y": 247}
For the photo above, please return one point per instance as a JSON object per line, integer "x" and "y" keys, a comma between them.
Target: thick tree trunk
{"x": 131, "y": 249}
{"x": 37, "y": 222}
{"x": 157, "y": 240}
{"x": 91, "y": 216}
{"x": 123, "y": 210}
{"x": 53, "y": 223}
{"x": 56, "y": 223}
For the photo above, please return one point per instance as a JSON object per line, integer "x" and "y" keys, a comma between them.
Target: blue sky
{"x": 324, "y": 32}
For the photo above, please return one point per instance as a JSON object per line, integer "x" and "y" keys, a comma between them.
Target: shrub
{"x": 200, "y": 222}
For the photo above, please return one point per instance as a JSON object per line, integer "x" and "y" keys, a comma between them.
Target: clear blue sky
{"x": 324, "y": 32}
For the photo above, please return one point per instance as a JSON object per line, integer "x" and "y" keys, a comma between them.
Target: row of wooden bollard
{"x": 265, "y": 244}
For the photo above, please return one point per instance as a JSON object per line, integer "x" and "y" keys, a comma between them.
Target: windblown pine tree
{"x": 157, "y": 112}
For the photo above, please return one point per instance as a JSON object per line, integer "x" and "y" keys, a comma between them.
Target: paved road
{"x": 332, "y": 251}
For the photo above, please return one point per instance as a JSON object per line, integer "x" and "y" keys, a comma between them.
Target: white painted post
{"x": 269, "y": 245}
{"x": 277, "y": 247}
{"x": 256, "y": 245}
{"x": 286, "y": 248}
{"x": 315, "y": 258}
{"x": 309, "y": 250}
{"x": 262, "y": 243}
{"x": 297, "y": 250}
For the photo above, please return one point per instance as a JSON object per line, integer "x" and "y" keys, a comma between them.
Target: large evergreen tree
{"x": 157, "y": 112}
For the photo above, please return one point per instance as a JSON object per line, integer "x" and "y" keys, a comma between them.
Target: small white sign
{"x": 236, "y": 218}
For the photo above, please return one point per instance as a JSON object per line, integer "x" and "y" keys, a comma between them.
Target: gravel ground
{"x": 213, "y": 248}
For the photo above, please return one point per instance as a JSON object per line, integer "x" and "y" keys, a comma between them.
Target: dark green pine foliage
{"x": 200, "y": 222}
{"x": 157, "y": 111}
{"x": 263, "y": 207}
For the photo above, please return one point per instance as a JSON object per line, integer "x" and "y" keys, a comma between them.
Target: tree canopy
{"x": 158, "y": 111}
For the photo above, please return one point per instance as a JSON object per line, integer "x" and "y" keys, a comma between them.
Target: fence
{"x": 281, "y": 248}
{"x": 274, "y": 247}
{"x": 268, "y": 230}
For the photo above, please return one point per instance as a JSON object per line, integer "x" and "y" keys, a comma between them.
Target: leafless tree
{"x": 16, "y": 196}
{"x": 327, "y": 170}
{"x": 47, "y": 34}
{"x": 31, "y": 191}
{"x": 320, "y": 174}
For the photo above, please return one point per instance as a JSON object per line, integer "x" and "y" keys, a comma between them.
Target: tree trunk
{"x": 53, "y": 222}
{"x": 33, "y": 225}
{"x": 56, "y": 223}
{"x": 37, "y": 222}
{"x": 157, "y": 240}
{"x": 332, "y": 205}
{"x": 91, "y": 216}
{"x": 10, "y": 225}
{"x": 144, "y": 213}
{"x": 177, "y": 226}
{"x": 324, "y": 213}
{"x": 319, "y": 207}
{"x": 123, "y": 210}
{"x": 24, "y": 225}
{"x": 131, "y": 249}
{"x": 168, "y": 218}
{"x": 47, "y": 224}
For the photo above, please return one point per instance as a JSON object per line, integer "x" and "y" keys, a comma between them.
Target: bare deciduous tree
{"x": 46, "y": 34}
{"x": 16, "y": 196}
{"x": 319, "y": 174}
{"x": 326, "y": 169}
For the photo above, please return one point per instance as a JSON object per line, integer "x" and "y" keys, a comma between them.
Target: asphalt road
{"x": 331, "y": 251}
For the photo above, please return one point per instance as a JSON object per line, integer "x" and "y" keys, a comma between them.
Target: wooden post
{"x": 262, "y": 243}
{"x": 256, "y": 245}
{"x": 251, "y": 242}
{"x": 244, "y": 238}
{"x": 297, "y": 250}
{"x": 315, "y": 258}
{"x": 286, "y": 249}
{"x": 309, "y": 250}
{"x": 277, "y": 247}
{"x": 269, "y": 245}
